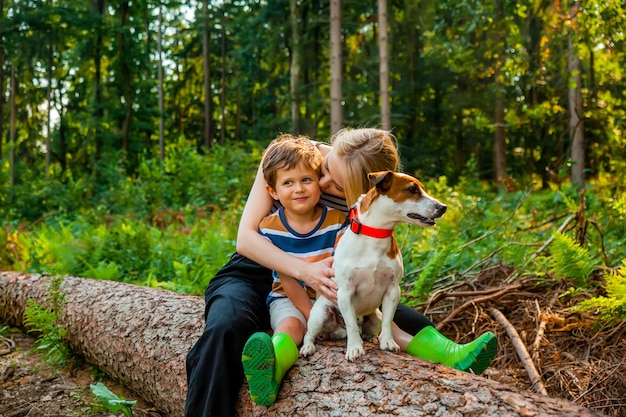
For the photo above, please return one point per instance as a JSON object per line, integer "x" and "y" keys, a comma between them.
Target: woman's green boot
{"x": 265, "y": 361}
{"x": 474, "y": 357}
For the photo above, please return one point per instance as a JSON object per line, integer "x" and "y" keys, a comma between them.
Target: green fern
{"x": 570, "y": 260}
{"x": 423, "y": 286}
{"x": 45, "y": 322}
{"x": 611, "y": 308}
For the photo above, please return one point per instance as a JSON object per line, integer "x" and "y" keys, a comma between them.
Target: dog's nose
{"x": 441, "y": 209}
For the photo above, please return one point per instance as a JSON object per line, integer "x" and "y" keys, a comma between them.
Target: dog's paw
{"x": 389, "y": 344}
{"x": 307, "y": 349}
{"x": 353, "y": 353}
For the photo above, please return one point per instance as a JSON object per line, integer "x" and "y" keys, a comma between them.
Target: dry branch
{"x": 475, "y": 301}
{"x": 542, "y": 327}
{"x": 522, "y": 352}
{"x": 140, "y": 336}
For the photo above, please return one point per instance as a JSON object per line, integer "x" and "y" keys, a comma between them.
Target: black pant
{"x": 235, "y": 309}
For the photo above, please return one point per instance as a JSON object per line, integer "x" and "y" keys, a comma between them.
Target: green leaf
{"x": 112, "y": 402}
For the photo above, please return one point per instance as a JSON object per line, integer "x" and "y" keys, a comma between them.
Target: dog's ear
{"x": 382, "y": 179}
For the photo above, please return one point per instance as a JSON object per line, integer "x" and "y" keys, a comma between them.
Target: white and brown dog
{"x": 368, "y": 264}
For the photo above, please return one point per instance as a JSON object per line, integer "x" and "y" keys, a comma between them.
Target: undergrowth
{"x": 43, "y": 320}
{"x": 174, "y": 224}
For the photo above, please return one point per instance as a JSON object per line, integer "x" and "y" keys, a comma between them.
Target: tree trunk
{"x": 336, "y": 70}
{"x": 296, "y": 68}
{"x": 576, "y": 130}
{"x": 208, "y": 129}
{"x": 499, "y": 139}
{"x": 140, "y": 336}
{"x": 160, "y": 84}
{"x": 98, "y": 115}
{"x": 127, "y": 78}
{"x": 225, "y": 67}
{"x": 12, "y": 132}
{"x": 2, "y": 92}
{"x": 48, "y": 105}
{"x": 383, "y": 48}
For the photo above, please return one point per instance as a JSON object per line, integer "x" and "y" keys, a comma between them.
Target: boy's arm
{"x": 297, "y": 294}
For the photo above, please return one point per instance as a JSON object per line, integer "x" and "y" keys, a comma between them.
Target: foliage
{"x": 181, "y": 255}
{"x": 176, "y": 238}
{"x": 424, "y": 285}
{"x": 88, "y": 88}
{"x": 184, "y": 179}
{"x": 610, "y": 308}
{"x": 570, "y": 260}
{"x": 112, "y": 402}
{"x": 44, "y": 320}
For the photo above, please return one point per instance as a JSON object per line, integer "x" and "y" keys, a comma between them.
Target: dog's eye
{"x": 414, "y": 189}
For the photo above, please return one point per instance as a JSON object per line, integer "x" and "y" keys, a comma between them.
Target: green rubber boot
{"x": 265, "y": 361}
{"x": 474, "y": 357}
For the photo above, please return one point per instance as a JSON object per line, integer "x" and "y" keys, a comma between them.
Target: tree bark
{"x": 296, "y": 68}
{"x": 383, "y": 48}
{"x": 208, "y": 128}
{"x": 336, "y": 69}
{"x": 576, "y": 127}
{"x": 499, "y": 139}
{"x": 140, "y": 336}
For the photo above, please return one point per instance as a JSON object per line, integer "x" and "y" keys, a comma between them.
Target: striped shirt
{"x": 313, "y": 246}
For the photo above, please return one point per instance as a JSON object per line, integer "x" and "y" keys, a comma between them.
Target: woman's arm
{"x": 254, "y": 246}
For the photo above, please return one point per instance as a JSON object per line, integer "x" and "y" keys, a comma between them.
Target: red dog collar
{"x": 359, "y": 228}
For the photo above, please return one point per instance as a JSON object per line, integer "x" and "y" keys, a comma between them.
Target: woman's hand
{"x": 319, "y": 276}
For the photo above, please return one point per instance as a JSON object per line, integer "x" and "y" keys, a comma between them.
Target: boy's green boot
{"x": 475, "y": 356}
{"x": 265, "y": 361}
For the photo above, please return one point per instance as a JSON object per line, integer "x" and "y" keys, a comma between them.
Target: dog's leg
{"x": 314, "y": 325}
{"x": 389, "y": 305}
{"x": 355, "y": 343}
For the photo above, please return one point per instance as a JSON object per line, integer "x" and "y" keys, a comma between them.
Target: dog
{"x": 368, "y": 264}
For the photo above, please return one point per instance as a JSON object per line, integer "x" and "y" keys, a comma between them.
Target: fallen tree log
{"x": 140, "y": 337}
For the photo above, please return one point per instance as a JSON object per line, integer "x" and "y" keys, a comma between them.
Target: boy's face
{"x": 297, "y": 189}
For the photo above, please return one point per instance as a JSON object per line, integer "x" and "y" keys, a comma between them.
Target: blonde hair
{"x": 286, "y": 152}
{"x": 363, "y": 151}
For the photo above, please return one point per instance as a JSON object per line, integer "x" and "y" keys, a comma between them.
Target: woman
{"x": 235, "y": 297}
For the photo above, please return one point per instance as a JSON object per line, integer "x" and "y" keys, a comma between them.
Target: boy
{"x": 302, "y": 227}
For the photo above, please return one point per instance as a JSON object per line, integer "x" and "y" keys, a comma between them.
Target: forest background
{"x": 131, "y": 131}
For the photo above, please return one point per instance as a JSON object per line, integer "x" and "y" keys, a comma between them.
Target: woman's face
{"x": 332, "y": 181}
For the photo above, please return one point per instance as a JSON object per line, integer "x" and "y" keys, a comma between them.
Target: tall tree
{"x": 575, "y": 130}
{"x": 160, "y": 81}
{"x": 2, "y": 92}
{"x": 383, "y": 48}
{"x": 49, "y": 104}
{"x": 224, "y": 56}
{"x": 336, "y": 70}
{"x": 296, "y": 65}
{"x": 206, "y": 66}
{"x": 125, "y": 72}
{"x": 12, "y": 127}
{"x": 499, "y": 143}
{"x": 98, "y": 113}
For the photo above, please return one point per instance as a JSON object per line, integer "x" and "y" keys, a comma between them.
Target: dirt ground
{"x": 29, "y": 387}
{"x": 574, "y": 358}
